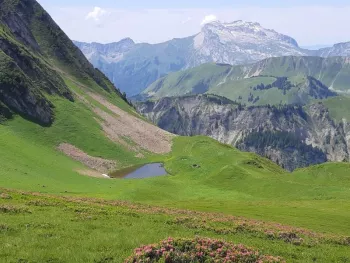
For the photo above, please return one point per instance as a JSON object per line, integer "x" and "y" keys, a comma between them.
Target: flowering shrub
{"x": 198, "y": 250}
{"x": 285, "y": 233}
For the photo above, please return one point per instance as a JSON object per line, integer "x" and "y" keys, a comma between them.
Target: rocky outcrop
{"x": 24, "y": 75}
{"x": 231, "y": 123}
{"x": 283, "y": 148}
{"x": 21, "y": 94}
{"x": 240, "y": 43}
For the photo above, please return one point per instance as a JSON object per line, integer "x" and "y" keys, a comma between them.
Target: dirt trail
{"x": 102, "y": 166}
{"x": 140, "y": 132}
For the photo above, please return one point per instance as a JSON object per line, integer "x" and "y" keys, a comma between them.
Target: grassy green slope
{"x": 339, "y": 108}
{"x": 35, "y": 55}
{"x": 45, "y": 77}
{"x": 196, "y": 80}
{"x": 333, "y": 71}
{"x": 237, "y": 89}
{"x": 44, "y": 229}
{"x": 227, "y": 181}
{"x": 240, "y": 90}
{"x": 234, "y": 81}
{"x": 49, "y": 229}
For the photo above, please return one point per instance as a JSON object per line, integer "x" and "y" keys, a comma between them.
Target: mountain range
{"x": 133, "y": 67}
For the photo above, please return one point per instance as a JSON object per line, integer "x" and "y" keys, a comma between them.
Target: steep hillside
{"x": 45, "y": 79}
{"x": 291, "y": 136}
{"x": 286, "y": 80}
{"x": 34, "y": 53}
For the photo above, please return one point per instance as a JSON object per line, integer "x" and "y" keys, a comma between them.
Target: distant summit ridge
{"x": 133, "y": 67}
{"x": 250, "y": 28}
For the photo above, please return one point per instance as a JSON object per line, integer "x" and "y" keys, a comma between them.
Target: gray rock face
{"x": 240, "y": 43}
{"x": 110, "y": 53}
{"x": 338, "y": 50}
{"x": 318, "y": 137}
{"x": 28, "y": 105}
{"x": 24, "y": 77}
{"x": 18, "y": 92}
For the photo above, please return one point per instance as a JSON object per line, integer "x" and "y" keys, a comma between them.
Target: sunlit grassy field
{"x": 226, "y": 180}
{"x": 38, "y": 228}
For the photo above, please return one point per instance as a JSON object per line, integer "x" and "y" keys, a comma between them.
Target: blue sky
{"x": 196, "y": 3}
{"x": 310, "y": 22}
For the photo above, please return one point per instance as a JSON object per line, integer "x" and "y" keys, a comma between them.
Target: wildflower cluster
{"x": 198, "y": 250}
{"x": 256, "y": 228}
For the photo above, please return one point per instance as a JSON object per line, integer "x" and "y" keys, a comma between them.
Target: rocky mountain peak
{"x": 240, "y": 42}
{"x": 340, "y": 49}
{"x": 127, "y": 40}
{"x": 122, "y": 45}
{"x": 246, "y": 32}
{"x": 109, "y": 53}
{"x": 235, "y": 25}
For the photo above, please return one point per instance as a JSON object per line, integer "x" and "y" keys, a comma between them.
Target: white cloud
{"x": 143, "y": 25}
{"x": 96, "y": 14}
{"x": 209, "y": 18}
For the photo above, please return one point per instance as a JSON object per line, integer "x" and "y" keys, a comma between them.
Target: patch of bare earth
{"x": 91, "y": 173}
{"x": 142, "y": 133}
{"x": 100, "y": 166}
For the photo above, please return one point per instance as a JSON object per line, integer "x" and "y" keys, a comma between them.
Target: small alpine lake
{"x": 140, "y": 171}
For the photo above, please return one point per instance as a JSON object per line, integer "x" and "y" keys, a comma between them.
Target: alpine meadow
{"x": 230, "y": 145}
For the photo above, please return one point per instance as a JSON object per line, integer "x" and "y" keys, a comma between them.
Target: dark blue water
{"x": 145, "y": 171}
